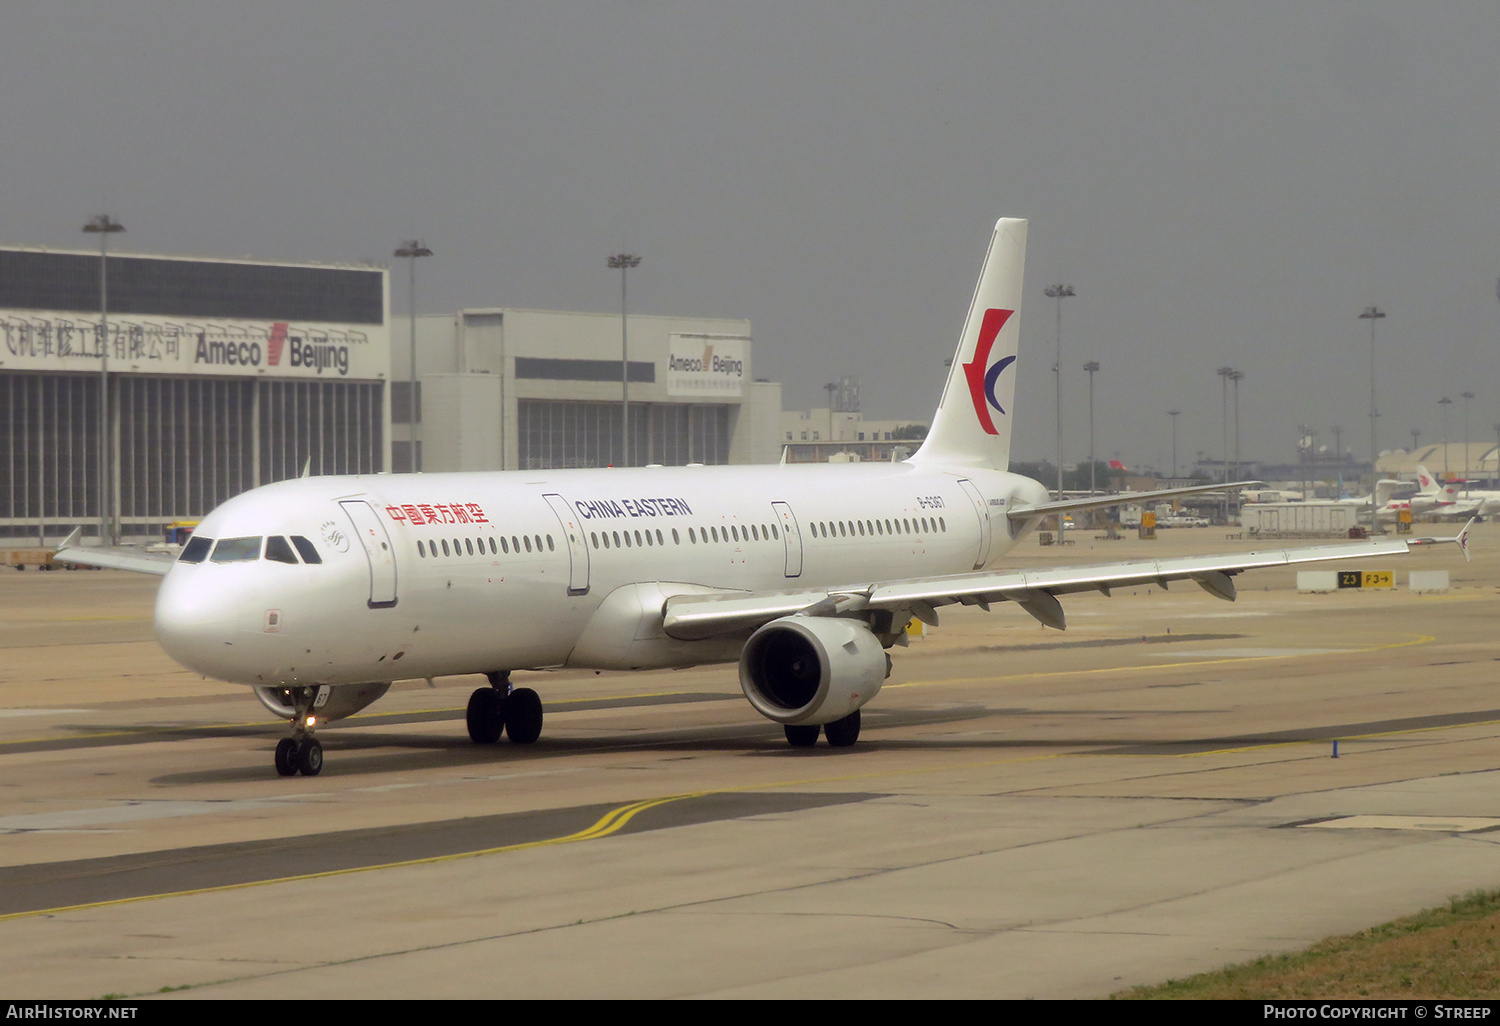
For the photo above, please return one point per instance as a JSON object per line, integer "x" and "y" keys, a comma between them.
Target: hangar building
{"x": 511, "y": 389}
{"x": 228, "y": 374}
{"x": 222, "y": 375}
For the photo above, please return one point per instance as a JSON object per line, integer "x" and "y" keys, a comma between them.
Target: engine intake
{"x": 812, "y": 669}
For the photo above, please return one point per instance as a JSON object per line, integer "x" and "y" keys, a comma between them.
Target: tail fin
{"x": 972, "y": 424}
{"x": 1429, "y": 486}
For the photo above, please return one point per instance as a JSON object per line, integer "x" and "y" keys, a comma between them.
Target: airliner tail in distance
{"x": 972, "y": 425}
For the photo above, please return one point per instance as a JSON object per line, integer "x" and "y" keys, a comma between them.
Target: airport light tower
{"x": 1373, "y": 314}
{"x": 109, "y": 514}
{"x": 1174, "y": 414}
{"x": 1224, "y": 374}
{"x": 1059, "y": 292}
{"x": 1091, "y": 366}
{"x": 1466, "y": 397}
{"x": 1235, "y": 377}
{"x": 624, "y": 261}
{"x": 409, "y": 251}
{"x": 1445, "y": 402}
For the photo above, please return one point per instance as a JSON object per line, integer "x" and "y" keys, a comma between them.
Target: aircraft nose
{"x": 195, "y": 618}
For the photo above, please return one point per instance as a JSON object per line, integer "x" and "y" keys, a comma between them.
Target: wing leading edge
{"x": 1047, "y": 509}
{"x": 694, "y": 617}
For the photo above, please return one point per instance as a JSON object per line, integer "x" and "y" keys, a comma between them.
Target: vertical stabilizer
{"x": 972, "y": 424}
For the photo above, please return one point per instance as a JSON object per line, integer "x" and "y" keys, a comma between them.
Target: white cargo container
{"x": 1298, "y": 518}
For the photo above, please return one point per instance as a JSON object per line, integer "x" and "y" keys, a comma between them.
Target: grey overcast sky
{"x": 1223, "y": 183}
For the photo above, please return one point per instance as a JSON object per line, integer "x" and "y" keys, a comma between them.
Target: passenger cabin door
{"x": 372, "y": 535}
{"x": 791, "y": 537}
{"x": 578, "y": 551}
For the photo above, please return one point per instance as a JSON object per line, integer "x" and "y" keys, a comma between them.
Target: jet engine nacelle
{"x": 330, "y": 701}
{"x": 812, "y": 669}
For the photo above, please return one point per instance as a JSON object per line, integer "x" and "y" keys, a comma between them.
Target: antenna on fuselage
{"x": 307, "y": 468}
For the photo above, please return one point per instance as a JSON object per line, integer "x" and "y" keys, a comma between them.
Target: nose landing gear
{"x": 300, "y": 753}
{"x": 294, "y": 756}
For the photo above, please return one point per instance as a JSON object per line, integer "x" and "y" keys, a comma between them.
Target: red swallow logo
{"x": 276, "y": 342}
{"x": 981, "y": 376}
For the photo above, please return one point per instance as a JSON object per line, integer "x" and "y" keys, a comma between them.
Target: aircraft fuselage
{"x": 425, "y": 575}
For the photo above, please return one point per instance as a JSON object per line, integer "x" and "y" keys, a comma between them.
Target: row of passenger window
{"x": 249, "y": 549}
{"x": 870, "y": 528}
{"x": 473, "y": 546}
{"x": 695, "y": 536}
{"x": 651, "y": 537}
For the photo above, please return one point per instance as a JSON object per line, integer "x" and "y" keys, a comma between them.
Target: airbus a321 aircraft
{"x": 319, "y": 592}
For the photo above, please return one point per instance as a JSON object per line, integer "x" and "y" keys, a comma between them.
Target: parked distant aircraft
{"x": 1433, "y": 498}
{"x": 1463, "y": 501}
{"x": 319, "y": 592}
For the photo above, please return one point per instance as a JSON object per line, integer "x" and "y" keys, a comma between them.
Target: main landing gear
{"x": 515, "y": 711}
{"x": 300, "y": 753}
{"x": 841, "y": 733}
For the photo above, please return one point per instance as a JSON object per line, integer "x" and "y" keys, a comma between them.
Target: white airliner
{"x": 1433, "y": 497}
{"x": 1455, "y": 499}
{"x": 319, "y": 592}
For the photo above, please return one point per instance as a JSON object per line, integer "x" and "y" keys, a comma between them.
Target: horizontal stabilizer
{"x": 113, "y": 557}
{"x": 1461, "y": 539}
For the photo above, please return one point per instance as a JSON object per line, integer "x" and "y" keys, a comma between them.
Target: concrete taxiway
{"x": 1027, "y": 813}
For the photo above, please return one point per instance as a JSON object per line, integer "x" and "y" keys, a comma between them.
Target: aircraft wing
{"x": 1048, "y": 509}
{"x": 693, "y": 617}
{"x": 116, "y": 558}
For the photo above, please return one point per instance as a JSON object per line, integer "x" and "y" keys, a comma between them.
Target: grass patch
{"x": 1452, "y": 951}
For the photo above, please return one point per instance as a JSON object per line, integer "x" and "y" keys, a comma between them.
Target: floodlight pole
{"x": 109, "y": 514}
{"x": 1235, "y": 376}
{"x": 1224, "y": 374}
{"x": 1373, "y": 314}
{"x": 1174, "y": 414}
{"x": 624, "y": 261}
{"x": 1445, "y": 402}
{"x": 1338, "y": 451}
{"x": 1091, "y": 366}
{"x": 1466, "y": 397}
{"x": 409, "y": 251}
{"x": 1059, "y": 292}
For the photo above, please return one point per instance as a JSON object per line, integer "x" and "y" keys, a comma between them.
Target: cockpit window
{"x": 196, "y": 549}
{"x": 278, "y": 550}
{"x": 305, "y": 547}
{"x": 236, "y": 550}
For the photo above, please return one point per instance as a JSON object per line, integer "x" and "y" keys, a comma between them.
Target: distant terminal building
{"x": 222, "y": 375}
{"x": 819, "y": 435}
{"x": 511, "y": 389}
